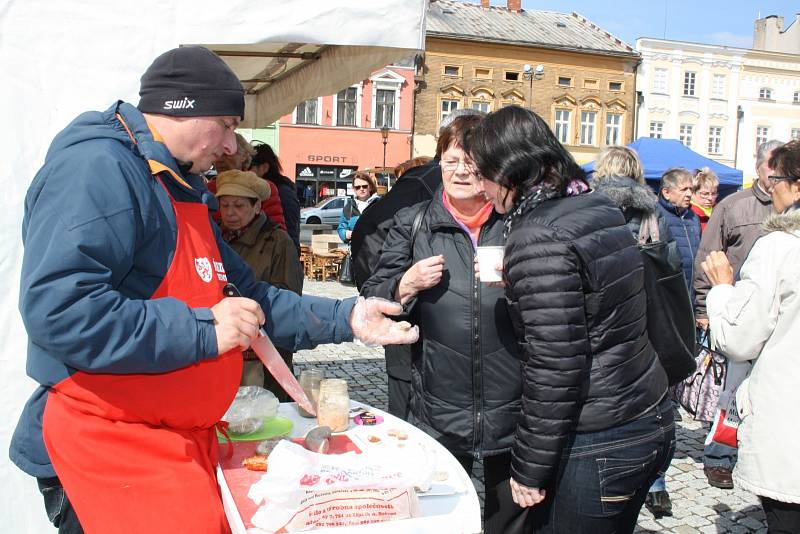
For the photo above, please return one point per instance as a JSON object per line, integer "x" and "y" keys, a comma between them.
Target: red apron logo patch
{"x": 203, "y": 267}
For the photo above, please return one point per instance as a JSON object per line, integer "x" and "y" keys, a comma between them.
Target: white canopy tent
{"x": 59, "y": 59}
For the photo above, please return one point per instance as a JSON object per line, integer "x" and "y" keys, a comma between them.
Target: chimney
{"x": 485, "y": 4}
{"x": 515, "y": 5}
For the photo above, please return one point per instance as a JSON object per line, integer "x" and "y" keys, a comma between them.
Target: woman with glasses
{"x": 596, "y": 426}
{"x": 365, "y": 192}
{"x": 466, "y": 375}
{"x": 757, "y": 319}
{"x": 704, "y": 198}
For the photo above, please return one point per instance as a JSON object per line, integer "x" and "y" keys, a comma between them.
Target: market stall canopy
{"x": 319, "y": 49}
{"x": 658, "y": 155}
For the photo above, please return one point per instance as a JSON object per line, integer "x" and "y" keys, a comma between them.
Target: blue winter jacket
{"x": 684, "y": 226}
{"x": 99, "y": 234}
{"x": 350, "y": 215}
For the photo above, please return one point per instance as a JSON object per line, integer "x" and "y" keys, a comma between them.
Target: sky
{"x": 718, "y": 22}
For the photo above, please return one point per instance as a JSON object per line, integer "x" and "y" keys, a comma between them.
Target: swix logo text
{"x": 179, "y": 104}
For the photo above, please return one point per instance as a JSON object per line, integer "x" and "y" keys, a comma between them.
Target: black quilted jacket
{"x": 466, "y": 373}
{"x": 577, "y": 300}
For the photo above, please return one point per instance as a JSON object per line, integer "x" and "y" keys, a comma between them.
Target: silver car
{"x": 327, "y": 211}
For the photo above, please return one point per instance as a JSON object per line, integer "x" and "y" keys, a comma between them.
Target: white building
{"x": 719, "y": 101}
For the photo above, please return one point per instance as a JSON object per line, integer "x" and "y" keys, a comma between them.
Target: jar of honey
{"x": 333, "y": 406}
{"x": 310, "y": 380}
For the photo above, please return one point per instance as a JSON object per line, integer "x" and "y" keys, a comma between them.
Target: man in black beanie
{"x": 136, "y": 352}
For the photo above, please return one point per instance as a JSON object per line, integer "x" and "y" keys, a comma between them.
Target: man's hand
{"x": 236, "y": 322}
{"x": 718, "y": 268}
{"x": 525, "y": 496}
{"x": 702, "y": 323}
{"x": 371, "y": 325}
{"x": 422, "y": 275}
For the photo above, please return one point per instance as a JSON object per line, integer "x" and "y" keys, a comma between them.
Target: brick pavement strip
{"x": 697, "y": 506}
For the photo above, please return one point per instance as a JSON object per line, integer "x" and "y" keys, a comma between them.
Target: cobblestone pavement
{"x": 697, "y": 507}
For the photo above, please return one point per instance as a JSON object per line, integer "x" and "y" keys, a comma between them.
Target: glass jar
{"x": 333, "y": 406}
{"x": 310, "y": 380}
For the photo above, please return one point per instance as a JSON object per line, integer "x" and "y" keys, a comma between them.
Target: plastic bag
{"x": 250, "y": 408}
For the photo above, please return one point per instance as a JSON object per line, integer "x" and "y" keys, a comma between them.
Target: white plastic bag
{"x": 250, "y": 408}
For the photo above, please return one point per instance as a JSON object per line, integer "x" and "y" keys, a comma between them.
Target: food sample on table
{"x": 372, "y": 438}
{"x": 265, "y": 447}
{"x": 257, "y": 462}
{"x": 318, "y": 439}
{"x": 367, "y": 419}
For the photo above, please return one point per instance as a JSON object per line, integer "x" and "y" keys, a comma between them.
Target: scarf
{"x": 538, "y": 194}
{"x": 471, "y": 223}
{"x": 706, "y": 211}
{"x": 229, "y": 234}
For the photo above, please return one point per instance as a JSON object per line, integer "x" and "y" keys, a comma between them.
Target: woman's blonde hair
{"x": 619, "y": 161}
{"x": 705, "y": 177}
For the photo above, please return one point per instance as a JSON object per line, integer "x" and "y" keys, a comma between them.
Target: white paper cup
{"x": 488, "y": 259}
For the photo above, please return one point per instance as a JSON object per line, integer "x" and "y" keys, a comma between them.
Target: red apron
{"x": 137, "y": 453}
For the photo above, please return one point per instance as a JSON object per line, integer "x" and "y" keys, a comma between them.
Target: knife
{"x": 274, "y": 363}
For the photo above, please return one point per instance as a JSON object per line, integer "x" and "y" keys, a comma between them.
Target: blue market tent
{"x": 658, "y": 155}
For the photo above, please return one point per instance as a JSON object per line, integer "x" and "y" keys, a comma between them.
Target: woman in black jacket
{"x": 596, "y": 427}
{"x": 466, "y": 375}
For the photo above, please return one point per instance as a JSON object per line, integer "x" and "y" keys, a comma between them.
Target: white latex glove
{"x": 371, "y": 325}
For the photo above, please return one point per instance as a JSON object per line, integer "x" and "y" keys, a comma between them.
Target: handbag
{"x": 699, "y": 393}
{"x": 346, "y": 270}
{"x": 670, "y": 317}
{"x": 725, "y": 426}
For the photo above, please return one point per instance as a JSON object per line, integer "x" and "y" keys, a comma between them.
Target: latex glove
{"x": 718, "y": 268}
{"x": 422, "y": 275}
{"x": 371, "y": 325}
{"x": 525, "y": 496}
{"x": 236, "y": 322}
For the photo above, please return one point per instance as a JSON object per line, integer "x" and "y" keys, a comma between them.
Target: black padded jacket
{"x": 466, "y": 374}
{"x": 576, "y": 295}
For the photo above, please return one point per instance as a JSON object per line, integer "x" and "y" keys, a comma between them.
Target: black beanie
{"x": 191, "y": 81}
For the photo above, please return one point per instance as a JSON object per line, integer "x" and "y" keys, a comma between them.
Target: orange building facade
{"x": 325, "y": 139}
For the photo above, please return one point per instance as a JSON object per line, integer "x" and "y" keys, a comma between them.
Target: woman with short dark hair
{"x": 596, "y": 426}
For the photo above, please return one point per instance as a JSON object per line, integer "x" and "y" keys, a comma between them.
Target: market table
{"x": 448, "y": 507}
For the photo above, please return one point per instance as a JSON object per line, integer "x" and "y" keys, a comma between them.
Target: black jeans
{"x": 58, "y": 508}
{"x": 604, "y": 476}
{"x": 782, "y": 517}
{"x": 501, "y": 515}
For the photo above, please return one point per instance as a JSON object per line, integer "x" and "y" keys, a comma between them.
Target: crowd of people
{"x": 548, "y": 377}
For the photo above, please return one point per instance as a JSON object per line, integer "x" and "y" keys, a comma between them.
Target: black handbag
{"x": 670, "y": 317}
{"x": 346, "y": 271}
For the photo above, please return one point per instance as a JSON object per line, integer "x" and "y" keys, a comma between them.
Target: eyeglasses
{"x": 452, "y": 165}
{"x": 776, "y": 179}
{"x": 707, "y": 194}
{"x": 360, "y": 187}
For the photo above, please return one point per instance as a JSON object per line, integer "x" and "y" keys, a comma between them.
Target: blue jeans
{"x": 604, "y": 476}
{"x": 58, "y": 508}
{"x": 719, "y": 455}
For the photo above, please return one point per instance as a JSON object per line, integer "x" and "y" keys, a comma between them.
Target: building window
{"x": 765, "y": 93}
{"x": 613, "y": 128}
{"x": 656, "y": 129}
{"x": 688, "y": 83}
{"x": 660, "y": 80}
{"x": 565, "y": 81}
{"x": 591, "y": 84}
{"x": 588, "y": 119}
{"x": 346, "y": 107}
{"x": 307, "y": 112}
{"x": 685, "y": 134}
{"x": 448, "y": 106}
{"x": 615, "y": 86}
{"x": 511, "y": 76}
{"x": 796, "y": 97}
{"x": 562, "y": 125}
{"x": 451, "y": 70}
{"x": 481, "y": 106}
{"x": 795, "y": 133}
{"x": 484, "y": 73}
{"x": 718, "y": 86}
{"x": 715, "y": 140}
{"x": 384, "y": 108}
{"x": 762, "y": 135}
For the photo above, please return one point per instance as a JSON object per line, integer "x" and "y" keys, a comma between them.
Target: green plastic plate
{"x": 277, "y": 426}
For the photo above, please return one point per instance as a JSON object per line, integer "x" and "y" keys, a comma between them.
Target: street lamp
{"x": 530, "y": 74}
{"x": 739, "y": 118}
{"x": 385, "y": 137}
